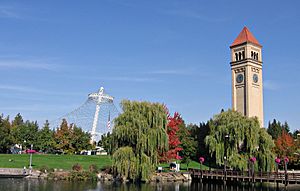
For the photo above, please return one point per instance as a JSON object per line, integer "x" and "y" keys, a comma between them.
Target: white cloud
{"x": 28, "y": 64}
{"x": 178, "y": 72}
{"x": 194, "y": 15}
{"x": 32, "y": 90}
{"x": 40, "y": 107}
{"x": 8, "y": 12}
{"x": 270, "y": 85}
{"x": 129, "y": 79}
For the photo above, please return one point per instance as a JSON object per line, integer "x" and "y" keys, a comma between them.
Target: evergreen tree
{"x": 199, "y": 134}
{"x": 188, "y": 144}
{"x": 18, "y": 120}
{"x": 275, "y": 128}
{"x": 105, "y": 142}
{"x": 25, "y": 133}
{"x": 5, "y": 134}
{"x": 80, "y": 139}
{"x": 45, "y": 140}
{"x": 63, "y": 137}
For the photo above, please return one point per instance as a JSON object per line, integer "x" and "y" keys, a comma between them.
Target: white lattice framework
{"x": 94, "y": 115}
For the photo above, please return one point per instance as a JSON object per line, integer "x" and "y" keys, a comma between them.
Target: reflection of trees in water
{"x": 45, "y": 185}
{"x": 48, "y": 185}
{"x": 197, "y": 186}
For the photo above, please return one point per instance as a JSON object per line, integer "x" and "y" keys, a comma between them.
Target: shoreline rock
{"x": 105, "y": 177}
{"x": 170, "y": 177}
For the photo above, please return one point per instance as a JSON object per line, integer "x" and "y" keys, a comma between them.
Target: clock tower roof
{"x": 245, "y": 36}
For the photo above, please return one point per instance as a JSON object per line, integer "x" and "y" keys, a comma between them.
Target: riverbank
{"x": 88, "y": 175}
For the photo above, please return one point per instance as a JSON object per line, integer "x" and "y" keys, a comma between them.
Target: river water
{"x": 48, "y": 185}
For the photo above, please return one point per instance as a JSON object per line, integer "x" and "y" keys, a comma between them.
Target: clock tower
{"x": 246, "y": 70}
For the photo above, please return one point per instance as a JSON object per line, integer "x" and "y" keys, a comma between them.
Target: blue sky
{"x": 54, "y": 53}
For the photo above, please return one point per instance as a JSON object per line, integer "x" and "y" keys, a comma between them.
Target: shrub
{"x": 82, "y": 176}
{"x": 107, "y": 169}
{"x": 93, "y": 168}
{"x": 46, "y": 169}
{"x": 77, "y": 167}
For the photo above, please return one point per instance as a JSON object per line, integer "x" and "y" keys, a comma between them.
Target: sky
{"x": 54, "y": 53}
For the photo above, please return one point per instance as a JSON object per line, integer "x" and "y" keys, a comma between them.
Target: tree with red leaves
{"x": 172, "y": 128}
{"x": 284, "y": 144}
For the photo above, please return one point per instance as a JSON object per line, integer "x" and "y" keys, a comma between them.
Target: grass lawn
{"x": 183, "y": 167}
{"x": 67, "y": 161}
{"x": 52, "y": 161}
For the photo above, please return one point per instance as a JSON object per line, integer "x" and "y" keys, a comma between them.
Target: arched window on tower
{"x": 240, "y": 56}
{"x": 252, "y": 55}
{"x": 256, "y": 56}
{"x": 236, "y": 56}
{"x": 243, "y": 54}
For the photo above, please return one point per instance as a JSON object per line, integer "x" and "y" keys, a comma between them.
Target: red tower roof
{"x": 245, "y": 36}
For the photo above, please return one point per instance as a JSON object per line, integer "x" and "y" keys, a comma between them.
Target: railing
{"x": 232, "y": 175}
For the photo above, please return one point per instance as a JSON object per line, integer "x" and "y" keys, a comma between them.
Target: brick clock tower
{"x": 246, "y": 70}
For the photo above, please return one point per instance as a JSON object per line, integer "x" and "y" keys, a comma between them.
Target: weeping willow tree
{"x": 138, "y": 135}
{"x": 239, "y": 138}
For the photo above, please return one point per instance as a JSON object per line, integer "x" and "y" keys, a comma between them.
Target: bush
{"x": 93, "y": 168}
{"x": 82, "y": 176}
{"x": 107, "y": 169}
{"x": 46, "y": 169}
{"x": 77, "y": 167}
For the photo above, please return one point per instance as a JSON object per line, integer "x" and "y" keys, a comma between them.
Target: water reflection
{"x": 44, "y": 185}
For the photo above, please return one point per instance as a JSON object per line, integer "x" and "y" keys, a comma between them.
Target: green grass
{"x": 183, "y": 167}
{"x": 52, "y": 161}
{"x": 67, "y": 161}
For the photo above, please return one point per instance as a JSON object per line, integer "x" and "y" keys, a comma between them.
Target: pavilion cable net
{"x": 95, "y": 116}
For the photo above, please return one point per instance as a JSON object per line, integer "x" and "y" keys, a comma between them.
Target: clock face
{"x": 239, "y": 78}
{"x": 255, "y": 78}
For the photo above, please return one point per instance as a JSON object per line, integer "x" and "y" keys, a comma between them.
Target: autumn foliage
{"x": 172, "y": 128}
{"x": 284, "y": 144}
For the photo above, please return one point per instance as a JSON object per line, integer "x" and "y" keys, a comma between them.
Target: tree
{"x": 188, "y": 144}
{"x": 80, "y": 139}
{"x": 18, "y": 120}
{"x": 295, "y": 162}
{"x": 63, "y": 137}
{"x": 199, "y": 134}
{"x": 174, "y": 142}
{"x": 24, "y": 133}
{"x": 275, "y": 128}
{"x": 296, "y": 134}
{"x": 105, "y": 142}
{"x": 138, "y": 135}
{"x": 284, "y": 145}
{"x": 5, "y": 134}
{"x": 70, "y": 138}
{"x": 45, "y": 140}
{"x": 239, "y": 138}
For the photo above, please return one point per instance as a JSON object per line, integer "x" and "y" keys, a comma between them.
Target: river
{"x": 48, "y": 185}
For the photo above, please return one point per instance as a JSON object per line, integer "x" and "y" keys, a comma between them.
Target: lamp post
{"x": 252, "y": 160}
{"x": 30, "y": 160}
{"x": 201, "y": 160}
{"x": 286, "y": 161}
{"x": 24, "y": 145}
{"x": 225, "y": 154}
{"x": 277, "y": 161}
